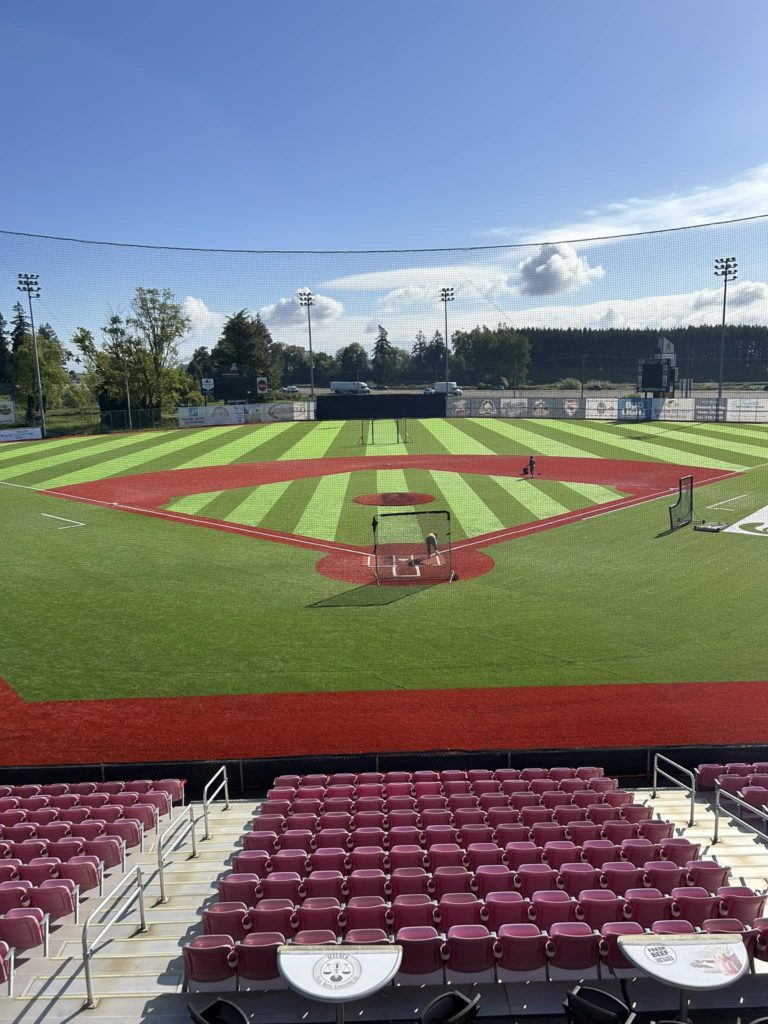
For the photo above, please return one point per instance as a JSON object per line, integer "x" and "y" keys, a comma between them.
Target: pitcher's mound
{"x": 395, "y": 498}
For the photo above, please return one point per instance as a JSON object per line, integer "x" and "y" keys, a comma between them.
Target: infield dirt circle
{"x": 395, "y": 498}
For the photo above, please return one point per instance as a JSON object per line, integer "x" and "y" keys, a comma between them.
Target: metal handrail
{"x": 742, "y": 803}
{"x": 187, "y": 813}
{"x": 208, "y": 800}
{"x": 675, "y": 782}
{"x": 134, "y": 876}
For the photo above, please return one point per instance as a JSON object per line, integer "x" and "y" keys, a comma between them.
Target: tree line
{"x": 139, "y": 351}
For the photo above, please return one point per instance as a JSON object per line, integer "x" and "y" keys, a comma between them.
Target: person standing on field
{"x": 431, "y": 541}
{"x": 532, "y": 466}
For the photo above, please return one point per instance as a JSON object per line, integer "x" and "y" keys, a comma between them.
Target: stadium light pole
{"x": 446, "y": 296}
{"x": 30, "y": 283}
{"x": 726, "y": 268}
{"x": 306, "y": 298}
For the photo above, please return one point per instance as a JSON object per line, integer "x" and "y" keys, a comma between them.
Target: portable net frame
{"x": 402, "y": 553}
{"x": 681, "y": 513}
{"x": 384, "y": 432}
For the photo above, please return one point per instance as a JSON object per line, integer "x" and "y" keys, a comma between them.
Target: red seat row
{"x": 519, "y": 952}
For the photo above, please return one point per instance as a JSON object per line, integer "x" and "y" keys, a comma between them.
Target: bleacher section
{"x": 57, "y": 842}
{"x": 512, "y": 875}
{"x": 515, "y": 884}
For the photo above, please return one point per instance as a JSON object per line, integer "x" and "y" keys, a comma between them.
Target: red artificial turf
{"x": 288, "y": 724}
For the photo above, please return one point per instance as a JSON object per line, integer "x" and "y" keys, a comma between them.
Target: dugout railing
{"x": 757, "y": 812}
{"x": 691, "y": 786}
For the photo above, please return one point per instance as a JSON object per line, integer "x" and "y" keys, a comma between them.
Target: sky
{"x": 249, "y": 125}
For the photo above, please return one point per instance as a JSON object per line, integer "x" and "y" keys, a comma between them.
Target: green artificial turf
{"x": 134, "y": 606}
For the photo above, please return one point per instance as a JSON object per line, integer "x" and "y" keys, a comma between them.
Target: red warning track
{"x": 284, "y": 725}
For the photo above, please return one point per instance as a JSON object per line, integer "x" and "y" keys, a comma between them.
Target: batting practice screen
{"x": 412, "y": 547}
{"x": 681, "y": 513}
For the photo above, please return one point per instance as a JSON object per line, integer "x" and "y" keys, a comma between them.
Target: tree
{"x": 291, "y": 363}
{"x": 434, "y": 356}
{"x": 5, "y": 349}
{"x": 141, "y": 347}
{"x": 52, "y": 357}
{"x": 201, "y": 364}
{"x": 246, "y": 342}
{"x": 488, "y": 355}
{"x": 352, "y": 362}
{"x": 382, "y": 363}
{"x": 19, "y": 327}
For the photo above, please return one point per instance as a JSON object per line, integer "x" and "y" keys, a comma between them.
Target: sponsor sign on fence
{"x": 21, "y": 434}
{"x": 708, "y": 410}
{"x": 635, "y": 409}
{"x": 7, "y": 413}
{"x": 747, "y": 410}
{"x": 262, "y": 412}
{"x": 602, "y": 408}
{"x": 211, "y": 415}
{"x": 677, "y": 409}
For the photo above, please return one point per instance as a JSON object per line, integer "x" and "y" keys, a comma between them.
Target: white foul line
{"x": 726, "y": 501}
{"x": 72, "y": 522}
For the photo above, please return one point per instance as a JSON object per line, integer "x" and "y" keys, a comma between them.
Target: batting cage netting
{"x": 681, "y": 513}
{"x": 412, "y": 547}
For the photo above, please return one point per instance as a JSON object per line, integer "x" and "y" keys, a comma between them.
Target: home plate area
{"x": 405, "y": 565}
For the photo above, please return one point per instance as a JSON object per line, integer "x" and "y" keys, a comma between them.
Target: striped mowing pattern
{"x": 323, "y": 507}
{"x": 66, "y": 461}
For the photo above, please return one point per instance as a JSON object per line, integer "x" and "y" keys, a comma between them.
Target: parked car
{"x": 380, "y": 387}
{"x": 429, "y": 391}
{"x": 290, "y": 389}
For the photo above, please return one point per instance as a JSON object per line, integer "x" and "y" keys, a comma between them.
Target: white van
{"x": 447, "y": 387}
{"x": 350, "y": 387}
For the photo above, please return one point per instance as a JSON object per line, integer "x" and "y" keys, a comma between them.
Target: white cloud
{"x": 654, "y": 311}
{"x": 205, "y": 324}
{"x": 742, "y": 196}
{"x": 286, "y": 312}
{"x": 741, "y": 295}
{"x": 555, "y": 268}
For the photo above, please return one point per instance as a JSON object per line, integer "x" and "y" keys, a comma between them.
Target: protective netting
{"x": 681, "y": 513}
{"x": 412, "y": 547}
{"x": 591, "y": 308}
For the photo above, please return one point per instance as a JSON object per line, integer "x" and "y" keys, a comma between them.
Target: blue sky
{"x": 255, "y": 125}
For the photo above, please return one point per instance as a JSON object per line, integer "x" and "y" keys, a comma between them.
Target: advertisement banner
{"x": 514, "y": 408}
{"x": 21, "y": 434}
{"x": 705, "y": 410}
{"x": 673, "y": 409}
{"x": 602, "y": 408}
{"x": 634, "y": 409}
{"x": 211, "y": 415}
{"x": 457, "y": 406}
{"x": 747, "y": 410}
{"x": 7, "y": 413}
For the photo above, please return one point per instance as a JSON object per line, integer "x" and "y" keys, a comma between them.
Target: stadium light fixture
{"x": 725, "y": 267}
{"x": 446, "y": 296}
{"x": 306, "y": 298}
{"x": 30, "y": 283}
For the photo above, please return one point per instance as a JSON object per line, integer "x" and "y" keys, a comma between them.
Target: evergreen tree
{"x": 201, "y": 364}
{"x": 382, "y": 363}
{"x": 245, "y": 342}
{"x": 5, "y": 349}
{"x": 19, "y": 327}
